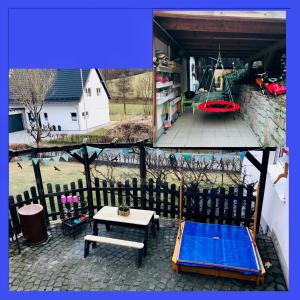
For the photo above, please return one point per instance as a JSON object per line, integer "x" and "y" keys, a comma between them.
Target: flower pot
{"x": 123, "y": 213}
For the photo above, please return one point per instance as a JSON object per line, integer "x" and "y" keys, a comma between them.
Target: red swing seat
{"x": 219, "y": 106}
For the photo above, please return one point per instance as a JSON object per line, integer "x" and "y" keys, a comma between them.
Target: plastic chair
{"x": 188, "y": 99}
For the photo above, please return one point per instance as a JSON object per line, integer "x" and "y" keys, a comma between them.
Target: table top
{"x": 136, "y": 216}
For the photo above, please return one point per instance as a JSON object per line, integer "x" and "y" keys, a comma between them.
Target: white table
{"x": 138, "y": 218}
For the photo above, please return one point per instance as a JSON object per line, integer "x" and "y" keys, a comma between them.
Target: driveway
{"x": 20, "y": 137}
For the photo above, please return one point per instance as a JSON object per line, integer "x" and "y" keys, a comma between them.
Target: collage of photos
{"x": 174, "y": 178}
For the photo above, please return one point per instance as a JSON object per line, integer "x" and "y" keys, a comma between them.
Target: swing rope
{"x": 220, "y": 63}
{"x": 221, "y": 105}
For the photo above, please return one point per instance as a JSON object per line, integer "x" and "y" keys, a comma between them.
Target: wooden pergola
{"x": 247, "y": 35}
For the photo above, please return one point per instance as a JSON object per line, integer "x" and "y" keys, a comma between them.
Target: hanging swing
{"x": 219, "y": 106}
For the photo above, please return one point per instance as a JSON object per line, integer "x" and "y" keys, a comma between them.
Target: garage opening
{"x": 15, "y": 123}
{"x": 195, "y": 92}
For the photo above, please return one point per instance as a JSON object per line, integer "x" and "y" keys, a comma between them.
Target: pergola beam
{"x": 224, "y": 25}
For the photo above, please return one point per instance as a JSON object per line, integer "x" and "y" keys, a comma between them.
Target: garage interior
{"x": 250, "y": 43}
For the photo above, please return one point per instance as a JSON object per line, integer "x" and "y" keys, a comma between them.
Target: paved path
{"x": 208, "y": 130}
{"x": 59, "y": 265}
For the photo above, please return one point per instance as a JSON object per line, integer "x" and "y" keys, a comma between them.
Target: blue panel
{"x": 222, "y": 246}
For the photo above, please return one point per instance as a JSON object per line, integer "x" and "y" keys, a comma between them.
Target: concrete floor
{"x": 208, "y": 130}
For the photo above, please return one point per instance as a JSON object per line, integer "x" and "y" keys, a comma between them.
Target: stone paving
{"x": 59, "y": 265}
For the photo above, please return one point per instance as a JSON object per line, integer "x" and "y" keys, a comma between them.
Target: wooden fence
{"x": 217, "y": 205}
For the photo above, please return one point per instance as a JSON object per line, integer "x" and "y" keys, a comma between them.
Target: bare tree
{"x": 124, "y": 86}
{"x": 144, "y": 90}
{"x": 30, "y": 87}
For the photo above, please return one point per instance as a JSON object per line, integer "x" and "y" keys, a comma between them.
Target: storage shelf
{"x": 175, "y": 101}
{"x": 164, "y": 69}
{"x": 175, "y": 86}
{"x": 160, "y": 101}
{"x": 160, "y": 85}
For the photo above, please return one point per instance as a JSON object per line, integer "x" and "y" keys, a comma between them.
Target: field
{"x": 21, "y": 180}
{"x": 117, "y": 111}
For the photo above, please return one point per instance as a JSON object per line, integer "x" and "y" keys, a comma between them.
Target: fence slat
{"x": 188, "y": 204}
{"x": 112, "y": 193}
{"x": 135, "y": 194}
{"x": 173, "y": 200}
{"x": 221, "y": 206}
{"x": 120, "y": 192}
{"x": 230, "y": 205}
{"x": 51, "y": 201}
{"x": 98, "y": 198}
{"x": 14, "y": 214}
{"x": 59, "y": 193}
{"x": 213, "y": 202}
{"x": 157, "y": 200}
{"x": 73, "y": 188}
{"x": 248, "y": 210}
{"x": 239, "y": 205}
{"x": 27, "y": 197}
{"x": 196, "y": 204}
{"x": 34, "y": 196}
{"x": 104, "y": 192}
{"x": 204, "y": 206}
{"x": 166, "y": 200}
{"x": 83, "y": 205}
{"x": 127, "y": 192}
{"x": 150, "y": 193}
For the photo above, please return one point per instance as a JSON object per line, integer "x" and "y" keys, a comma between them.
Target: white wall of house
{"x": 97, "y": 106}
{"x": 275, "y": 211}
{"x": 59, "y": 114}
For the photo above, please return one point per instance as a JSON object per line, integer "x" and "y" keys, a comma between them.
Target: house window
{"x": 30, "y": 117}
{"x": 46, "y": 116}
{"x": 98, "y": 91}
{"x": 85, "y": 114}
{"x": 88, "y": 92}
{"x": 74, "y": 116}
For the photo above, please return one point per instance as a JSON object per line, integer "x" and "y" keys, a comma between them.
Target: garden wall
{"x": 266, "y": 115}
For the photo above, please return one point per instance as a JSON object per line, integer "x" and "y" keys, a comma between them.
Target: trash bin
{"x": 33, "y": 224}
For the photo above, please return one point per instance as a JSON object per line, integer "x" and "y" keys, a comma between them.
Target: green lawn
{"x": 21, "y": 180}
{"x": 117, "y": 111}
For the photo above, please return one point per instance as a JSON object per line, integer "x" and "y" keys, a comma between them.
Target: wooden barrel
{"x": 33, "y": 224}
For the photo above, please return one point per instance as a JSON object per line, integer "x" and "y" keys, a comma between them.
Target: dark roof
{"x": 68, "y": 86}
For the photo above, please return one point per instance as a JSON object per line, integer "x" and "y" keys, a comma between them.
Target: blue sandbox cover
{"x": 218, "y": 246}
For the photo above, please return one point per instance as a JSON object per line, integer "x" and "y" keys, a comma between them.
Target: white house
{"x": 77, "y": 102}
{"x": 275, "y": 211}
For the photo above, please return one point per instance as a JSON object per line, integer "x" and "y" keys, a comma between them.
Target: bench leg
{"x": 86, "y": 248}
{"x": 146, "y": 240}
{"x": 107, "y": 226}
{"x": 95, "y": 232}
{"x": 157, "y": 223}
{"x": 140, "y": 257}
{"x": 153, "y": 229}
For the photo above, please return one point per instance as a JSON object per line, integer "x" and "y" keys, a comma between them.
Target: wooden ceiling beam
{"x": 281, "y": 45}
{"x": 222, "y": 25}
{"x": 193, "y": 35}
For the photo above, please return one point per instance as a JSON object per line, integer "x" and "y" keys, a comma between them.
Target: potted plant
{"x": 123, "y": 210}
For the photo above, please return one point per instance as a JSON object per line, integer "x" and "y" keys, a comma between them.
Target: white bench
{"x": 88, "y": 239}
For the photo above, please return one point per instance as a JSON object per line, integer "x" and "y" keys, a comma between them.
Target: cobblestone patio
{"x": 59, "y": 266}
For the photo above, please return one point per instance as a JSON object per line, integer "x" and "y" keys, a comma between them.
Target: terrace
{"x": 58, "y": 264}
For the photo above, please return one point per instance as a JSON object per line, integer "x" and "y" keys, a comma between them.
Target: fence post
{"x": 40, "y": 187}
{"x": 88, "y": 182}
{"x": 143, "y": 174}
{"x": 262, "y": 184}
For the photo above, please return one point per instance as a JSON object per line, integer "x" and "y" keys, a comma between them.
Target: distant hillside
{"x": 110, "y": 74}
{"x": 138, "y": 84}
